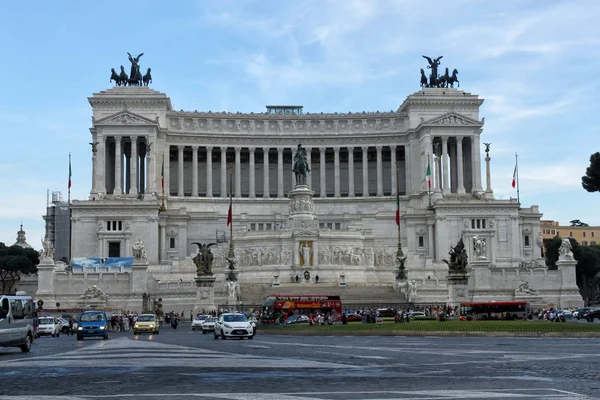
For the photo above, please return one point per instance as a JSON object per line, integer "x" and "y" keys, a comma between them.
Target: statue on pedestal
{"x": 300, "y": 166}
{"x": 47, "y": 249}
{"x": 458, "y": 259}
{"x": 139, "y": 252}
{"x": 479, "y": 247}
{"x": 525, "y": 290}
{"x": 204, "y": 259}
{"x": 565, "y": 251}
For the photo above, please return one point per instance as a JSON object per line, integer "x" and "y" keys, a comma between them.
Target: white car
{"x": 209, "y": 324}
{"x": 48, "y": 326}
{"x": 198, "y": 321}
{"x": 233, "y": 325}
{"x": 63, "y": 324}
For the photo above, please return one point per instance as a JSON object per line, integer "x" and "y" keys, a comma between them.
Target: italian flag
{"x": 428, "y": 175}
{"x": 70, "y": 174}
{"x": 514, "y": 179}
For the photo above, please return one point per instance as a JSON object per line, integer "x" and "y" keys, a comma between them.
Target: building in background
{"x": 21, "y": 241}
{"x": 585, "y": 235}
{"x": 58, "y": 227}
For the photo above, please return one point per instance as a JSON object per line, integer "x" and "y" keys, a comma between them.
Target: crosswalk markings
{"x": 125, "y": 352}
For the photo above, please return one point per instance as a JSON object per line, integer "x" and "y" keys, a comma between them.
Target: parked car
{"x": 17, "y": 321}
{"x": 92, "y": 323}
{"x": 353, "y": 317}
{"x": 146, "y": 323}
{"x": 386, "y": 312}
{"x": 413, "y": 314}
{"x": 297, "y": 319}
{"x": 578, "y": 313}
{"x": 198, "y": 321}
{"x": 233, "y": 325}
{"x": 592, "y": 314}
{"x": 48, "y": 326}
{"x": 209, "y": 324}
{"x": 63, "y": 324}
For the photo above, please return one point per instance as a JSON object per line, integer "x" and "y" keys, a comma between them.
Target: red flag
{"x": 514, "y": 180}
{"x": 229, "y": 214}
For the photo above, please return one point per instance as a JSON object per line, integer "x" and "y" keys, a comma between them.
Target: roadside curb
{"x": 435, "y": 333}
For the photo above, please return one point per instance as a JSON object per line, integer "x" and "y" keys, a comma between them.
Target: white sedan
{"x": 198, "y": 321}
{"x": 48, "y": 326}
{"x": 233, "y": 325}
{"x": 209, "y": 324}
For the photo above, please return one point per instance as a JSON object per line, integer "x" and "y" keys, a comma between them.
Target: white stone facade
{"x": 354, "y": 159}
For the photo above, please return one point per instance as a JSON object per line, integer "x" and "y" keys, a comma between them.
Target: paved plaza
{"x": 181, "y": 364}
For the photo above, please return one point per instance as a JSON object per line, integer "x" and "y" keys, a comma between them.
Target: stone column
{"x": 365, "y": 171}
{"x": 167, "y": 161}
{"x": 162, "y": 242}
{"x": 127, "y": 169}
{"x": 224, "y": 172}
{"x": 142, "y": 171}
{"x": 488, "y": 176}
{"x": 445, "y": 166}
{"x": 133, "y": 167}
{"x": 351, "y": 172}
{"x": 459, "y": 164}
{"x": 476, "y": 163}
{"x": 438, "y": 173}
{"x": 151, "y": 174}
{"x": 379, "y": 172}
{"x": 266, "y": 186}
{"x": 180, "y": 191}
{"x": 336, "y": 171}
{"x": 309, "y": 173}
{"x": 194, "y": 171}
{"x": 100, "y": 165}
{"x": 296, "y": 254}
{"x": 393, "y": 168}
{"x": 430, "y": 245}
{"x": 238, "y": 172}
{"x": 118, "y": 160}
{"x": 323, "y": 191}
{"x": 252, "y": 179}
{"x": 209, "y": 172}
{"x": 279, "y": 172}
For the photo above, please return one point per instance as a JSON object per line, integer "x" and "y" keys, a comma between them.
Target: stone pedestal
{"x": 458, "y": 291}
{"x": 45, "y": 277}
{"x": 533, "y": 300}
{"x": 139, "y": 278}
{"x": 570, "y": 297}
{"x": 205, "y": 294}
{"x": 302, "y": 206}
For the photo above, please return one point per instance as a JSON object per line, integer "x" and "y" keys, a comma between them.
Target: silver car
{"x": 209, "y": 324}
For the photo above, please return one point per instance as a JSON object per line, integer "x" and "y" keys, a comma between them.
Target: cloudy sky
{"x": 534, "y": 63}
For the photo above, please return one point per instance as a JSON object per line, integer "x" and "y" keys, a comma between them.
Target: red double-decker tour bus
{"x": 276, "y": 304}
{"x": 495, "y": 310}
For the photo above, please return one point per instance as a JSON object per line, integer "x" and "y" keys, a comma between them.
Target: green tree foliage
{"x": 591, "y": 180}
{"x": 588, "y": 263}
{"x": 14, "y": 261}
{"x": 576, "y": 222}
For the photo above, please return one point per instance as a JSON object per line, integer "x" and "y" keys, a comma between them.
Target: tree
{"x": 591, "y": 180}
{"x": 576, "y": 222}
{"x": 14, "y": 261}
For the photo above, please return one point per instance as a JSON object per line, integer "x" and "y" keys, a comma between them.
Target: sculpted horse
{"x": 423, "y": 79}
{"x": 454, "y": 78}
{"x": 137, "y": 79}
{"x": 443, "y": 80}
{"x": 123, "y": 76}
{"x": 115, "y": 77}
{"x": 300, "y": 167}
{"x": 147, "y": 78}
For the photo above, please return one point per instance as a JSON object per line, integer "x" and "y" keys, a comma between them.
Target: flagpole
{"x": 399, "y": 252}
{"x": 162, "y": 179}
{"x": 517, "y": 168}
{"x": 231, "y": 253}
{"x": 70, "y": 211}
{"x": 429, "y": 182}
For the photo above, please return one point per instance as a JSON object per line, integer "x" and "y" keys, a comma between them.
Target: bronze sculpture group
{"x": 135, "y": 78}
{"x": 458, "y": 259}
{"x": 204, "y": 259}
{"x": 438, "y": 81}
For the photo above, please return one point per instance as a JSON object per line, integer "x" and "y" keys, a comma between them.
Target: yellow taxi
{"x": 146, "y": 323}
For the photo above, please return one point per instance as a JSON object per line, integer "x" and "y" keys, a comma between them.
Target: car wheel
{"x": 157, "y": 332}
{"x": 53, "y": 335}
{"x": 203, "y": 332}
{"x": 25, "y": 347}
{"x": 105, "y": 337}
{"x": 57, "y": 334}
{"x": 193, "y": 328}
{"x": 250, "y": 337}
{"x": 79, "y": 337}
{"x": 223, "y": 337}
{"x": 215, "y": 335}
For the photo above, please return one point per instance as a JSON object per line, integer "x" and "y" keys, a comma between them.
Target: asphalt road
{"x": 181, "y": 364}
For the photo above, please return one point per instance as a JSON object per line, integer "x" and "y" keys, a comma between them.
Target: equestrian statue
{"x": 300, "y": 166}
{"x": 135, "y": 78}
{"x": 438, "y": 81}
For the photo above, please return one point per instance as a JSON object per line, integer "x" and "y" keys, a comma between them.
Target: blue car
{"x": 92, "y": 323}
